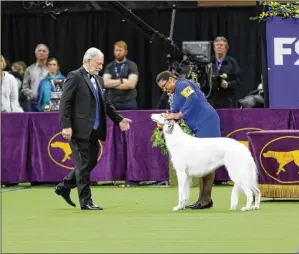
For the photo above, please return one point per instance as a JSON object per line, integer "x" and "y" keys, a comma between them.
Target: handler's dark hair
{"x": 164, "y": 75}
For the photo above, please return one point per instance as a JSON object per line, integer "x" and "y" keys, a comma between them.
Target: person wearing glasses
{"x": 190, "y": 104}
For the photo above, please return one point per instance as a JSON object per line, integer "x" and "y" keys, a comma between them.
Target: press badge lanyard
{"x": 119, "y": 74}
{"x": 219, "y": 64}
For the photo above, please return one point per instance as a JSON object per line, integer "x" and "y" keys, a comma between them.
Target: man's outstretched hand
{"x": 125, "y": 124}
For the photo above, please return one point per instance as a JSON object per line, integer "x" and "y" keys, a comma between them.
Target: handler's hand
{"x": 160, "y": 126}
{"x": 125, "y": 124}
{"x": 67, "y": 133}
{"x": 175, "y": 116}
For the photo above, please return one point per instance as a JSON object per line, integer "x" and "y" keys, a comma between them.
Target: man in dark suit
{"x": 83, "y": 109}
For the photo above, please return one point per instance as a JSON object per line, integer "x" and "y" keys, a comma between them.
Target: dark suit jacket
{"x": 78, "y": 106}
{"x": 225, "y": 97}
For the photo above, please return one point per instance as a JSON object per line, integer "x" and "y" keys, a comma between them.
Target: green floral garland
{"x": 158, "y": 137}
{"x": 273, "y": 9}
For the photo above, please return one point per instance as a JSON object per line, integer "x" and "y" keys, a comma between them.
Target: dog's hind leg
{"x": 257, "y": 196}
{"x": 235, "y": 197}
{"x": 249, "y": 197}
{"x": 182, "y": 182}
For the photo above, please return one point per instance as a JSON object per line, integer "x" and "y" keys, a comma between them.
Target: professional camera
{"x": 196, "y": 64}
{"x": 217, "y": 79}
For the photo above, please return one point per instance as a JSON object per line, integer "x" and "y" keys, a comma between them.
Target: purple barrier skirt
{"x": 14, "y": 147}
{"x": 294, "y": 119}
{"x": 123, "y": 156}
{"x": 144, "y": 162}
{"x": 276, "y": 154}
{"x": 235, "y": 123}
{"x": 34, "y": 150}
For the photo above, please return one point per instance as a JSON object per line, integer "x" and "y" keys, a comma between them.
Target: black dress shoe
{"x": 207, "y": 206}
{"x": 197, "y": 205}
{"x": 65, "y": 194}
{"x": 91, "y": 206}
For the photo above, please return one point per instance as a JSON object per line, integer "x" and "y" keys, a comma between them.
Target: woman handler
{"x": 190, "y": 104}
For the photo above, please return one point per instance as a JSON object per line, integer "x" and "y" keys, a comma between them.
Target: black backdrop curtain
{"x": 72, "y": 34}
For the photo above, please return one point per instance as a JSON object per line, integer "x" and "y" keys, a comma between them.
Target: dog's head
{"x": 159, "y": 118}
{"x": 268, "y": 154}
{"x": 167, "y": 125}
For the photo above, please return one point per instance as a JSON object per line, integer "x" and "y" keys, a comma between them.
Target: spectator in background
{"x": 18, "y": 70}
{"x": 9, "y": 91}
{"x": 34, "y": 74}
{"x": 226, "y": 76}
{"x": 120, "y": 79}
{"x": 49, "y": 84}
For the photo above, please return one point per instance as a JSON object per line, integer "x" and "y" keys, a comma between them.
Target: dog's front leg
{"x": 182, "y": 182}
{"x": 187, "y": 188}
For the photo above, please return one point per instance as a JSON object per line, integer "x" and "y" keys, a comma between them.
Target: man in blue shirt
{"x": 190, "y": 104}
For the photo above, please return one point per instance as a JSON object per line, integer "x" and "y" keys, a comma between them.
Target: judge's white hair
{"x": 91, "y": 53}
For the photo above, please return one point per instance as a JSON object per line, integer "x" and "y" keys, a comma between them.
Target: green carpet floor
{"x": 141, "y": 220}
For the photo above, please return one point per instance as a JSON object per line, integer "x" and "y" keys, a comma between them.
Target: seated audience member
{"x": 120, "y": 79}
{"x": 226, "y": 76}
{"x": 34, "y": 74}
{"x": 10, "y": 93}
{"x": 51, "y": 84}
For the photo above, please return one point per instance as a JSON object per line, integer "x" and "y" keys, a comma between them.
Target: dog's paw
{"x": 177, "y": 208}
{"x": 255, "y": 207}
{"x": 244, "y": 209}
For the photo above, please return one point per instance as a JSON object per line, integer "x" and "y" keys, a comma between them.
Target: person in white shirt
{"x": 9, "y": 91}
{"x": 34, "y": 74}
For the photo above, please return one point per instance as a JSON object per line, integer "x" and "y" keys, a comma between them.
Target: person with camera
{"x": 226, "y": 76}
{"x": 190, "y": 104}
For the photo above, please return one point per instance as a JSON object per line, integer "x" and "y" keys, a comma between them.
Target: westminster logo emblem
{"x": 279, "y": 159}
{"x": 60, "y": 151}
{"x": 240, "y": 134}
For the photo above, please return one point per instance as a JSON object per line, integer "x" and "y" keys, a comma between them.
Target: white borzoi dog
{"x": 193, "y": 156}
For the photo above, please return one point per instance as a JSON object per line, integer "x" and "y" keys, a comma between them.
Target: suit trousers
{"x": 85, "y": 153}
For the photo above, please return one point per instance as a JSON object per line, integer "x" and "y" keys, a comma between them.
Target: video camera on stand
{"x": 195, "y": 56}
{"x": 196, "y": 64}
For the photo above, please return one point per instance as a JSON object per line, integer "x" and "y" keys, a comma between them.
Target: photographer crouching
{"x": 226, "y": 76}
